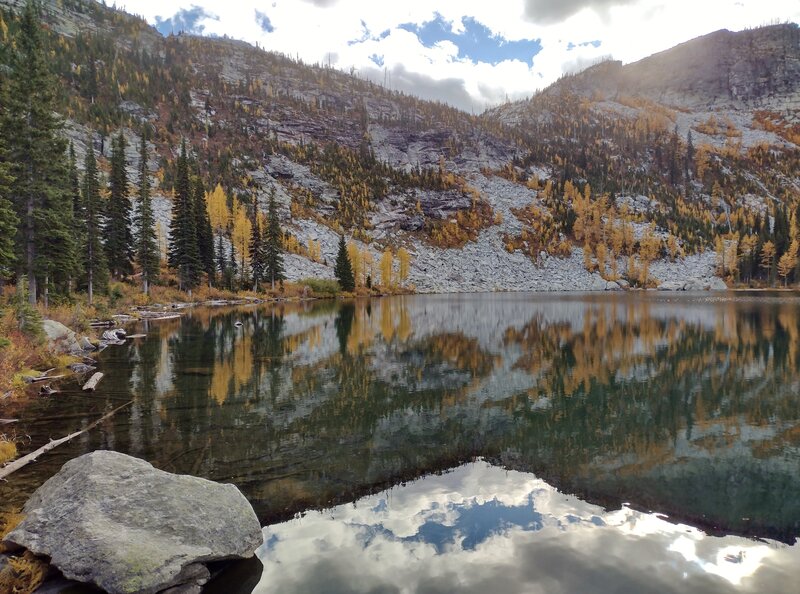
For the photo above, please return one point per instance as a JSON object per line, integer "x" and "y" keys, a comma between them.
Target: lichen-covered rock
{"x": 117, "y": 522}
{"x": 61, "y": 338}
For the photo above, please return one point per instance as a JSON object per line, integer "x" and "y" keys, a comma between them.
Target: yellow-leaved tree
{"x": 242, "y": 228}
{"x": 788, "y": 261}
{"x": 218, "y": 212}
{"x": 404, "y": 263}
{"x": 355, "y": 261}
{"x": 387, "y": 262}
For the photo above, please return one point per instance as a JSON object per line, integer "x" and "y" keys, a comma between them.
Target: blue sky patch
{"x": 185, "y": 20}
{"x": 476, "y": 42}
{"x": 263, "y": 21}
{"x": 595, "y": 43}
{"x": 377, "y": 60}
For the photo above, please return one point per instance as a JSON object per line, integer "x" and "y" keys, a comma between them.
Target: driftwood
{"x": 43, "y": 378}
{"x": 8, "y": 421}
{"x": 101, "y": 323}
{"x": 136, "y": 336}
{"x": 93, "y": 381}
{"x": 53, "y": 443}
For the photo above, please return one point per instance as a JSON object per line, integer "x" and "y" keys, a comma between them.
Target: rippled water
{"x": 686, "y": 405}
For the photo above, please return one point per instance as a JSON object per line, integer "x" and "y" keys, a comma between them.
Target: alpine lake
{"x": 628, "y": 442}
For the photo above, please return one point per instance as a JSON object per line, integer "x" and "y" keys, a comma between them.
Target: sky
{"x": 472, "y": 54}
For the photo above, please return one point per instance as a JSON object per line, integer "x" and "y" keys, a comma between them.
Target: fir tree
{"x": 273, "y": 258}
{"x": 36, "y": 156}
{"x": 184, "y": 255}
{"x": 78, "y": 214}
{"x": 147, "y": 255}
{"x": 93, "y": 252}
{"x": 8, "y": 219}
{"x": 205, "y": 236}
{"x": 257, "y": 251}
{"x": 343, "y": 268}
{"x": 118, "y": 235}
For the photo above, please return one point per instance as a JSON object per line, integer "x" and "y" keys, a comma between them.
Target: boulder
{"x": 119, "y": 523}
{"x": 61, "y": 338}
{"x": 597, "y": 283}
{"x": 623, "y": 284}
{"x": 717, "y": 284}
{"x": 612, "y": 286}
{"x": 672, "y": 286}
{"x": 86, "y": 344}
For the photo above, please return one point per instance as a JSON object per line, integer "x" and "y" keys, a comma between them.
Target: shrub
{"x": 321, "y": 286}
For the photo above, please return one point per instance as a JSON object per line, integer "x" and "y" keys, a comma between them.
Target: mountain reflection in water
{"x": 483, "y": 529}
{"x": 683, "y": 404}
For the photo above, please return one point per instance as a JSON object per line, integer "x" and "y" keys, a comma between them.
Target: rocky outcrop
{"x": 119, "y": 523}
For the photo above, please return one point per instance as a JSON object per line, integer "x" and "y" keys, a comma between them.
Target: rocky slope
{"x": 259, "y": 121}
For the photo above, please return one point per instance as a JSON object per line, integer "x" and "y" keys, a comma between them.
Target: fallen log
{"x": 8, "y": 421}
{"x": 136, "y": 336}
{"x": 53, "y": 443}
{"x": 42, "y": 378}
{"x": 93, "y": 381}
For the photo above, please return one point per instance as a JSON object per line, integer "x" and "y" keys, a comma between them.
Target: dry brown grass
{"x": 8, "y": 450}
{"x": 23, "y": 575}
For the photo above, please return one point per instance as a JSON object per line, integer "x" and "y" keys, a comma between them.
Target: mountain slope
{"x": 485, "y": 202}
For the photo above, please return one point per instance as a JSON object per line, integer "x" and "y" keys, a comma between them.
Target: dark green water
{"x": 688, "y": 405}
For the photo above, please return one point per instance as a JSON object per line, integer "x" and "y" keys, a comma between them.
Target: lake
{"x": 639, "y": 441}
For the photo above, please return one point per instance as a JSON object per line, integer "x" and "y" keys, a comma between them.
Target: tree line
{"x": 64, "y": 232}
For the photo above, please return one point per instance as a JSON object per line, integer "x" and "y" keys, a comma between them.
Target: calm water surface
{"x": 672, "y": 420}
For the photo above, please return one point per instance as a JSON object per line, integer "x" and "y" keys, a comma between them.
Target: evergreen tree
{"x": 257, "y": 251}
{"x": 343, "y": 268}
{"x": 147, "y": 255}
{"x": 184, "y": 255}
{"x": 118, "y": 234}
{"x": 93, "y": 252}
{"x": 78, "y": 214}
{"x": 8, "y": 219}
{"x": 273, "y": 256}
{"x": 205, "y": 236}
{"x": 36, "y": 157}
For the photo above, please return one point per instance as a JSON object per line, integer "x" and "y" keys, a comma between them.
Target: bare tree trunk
{"x": 146, "y": 286}
{"x": 46, "y": 292}
{"x": 91, "y": 284}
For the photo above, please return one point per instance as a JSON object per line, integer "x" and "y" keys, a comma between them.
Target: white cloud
{"x": 628, "y": 30}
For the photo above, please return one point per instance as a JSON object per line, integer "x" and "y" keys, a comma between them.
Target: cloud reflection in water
{"x": 483, "y": 529}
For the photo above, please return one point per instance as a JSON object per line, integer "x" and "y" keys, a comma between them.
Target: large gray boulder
{"x": 115, "y": 521}
{"x": 61, "y": 338}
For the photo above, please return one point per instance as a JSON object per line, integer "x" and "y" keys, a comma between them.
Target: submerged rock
{"x": 117, "y": 522}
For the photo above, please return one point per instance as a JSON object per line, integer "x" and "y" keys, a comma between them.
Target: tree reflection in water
{"x": 682, "y": 404}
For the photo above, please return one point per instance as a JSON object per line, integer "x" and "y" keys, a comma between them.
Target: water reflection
{"x": 482, "y": 529}
{"x": 683, "y": 404}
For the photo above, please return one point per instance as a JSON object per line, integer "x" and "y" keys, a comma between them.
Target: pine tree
{"x": 78, "y": 214}
{"x": 118, "y": 234}
{"x": 184, "y": 255}
{"x": 8, "y": 218}
{"x": 205, "y": 237}
{"x": 343, "y": 268}
{"x": 93, "y": 252}
{"x": 273, "y": 256}
{"x": 257, "y": 251}
{"x": 36, "y": 156}
{"x": 147, "y": 255}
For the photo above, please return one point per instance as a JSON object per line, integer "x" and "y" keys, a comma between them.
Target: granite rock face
{"x": 119, "y": 523}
